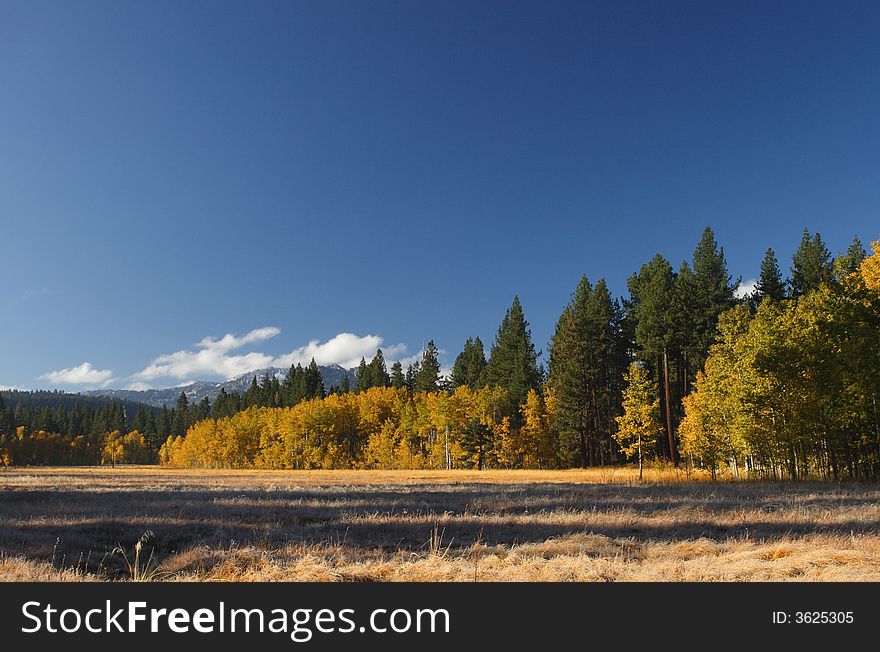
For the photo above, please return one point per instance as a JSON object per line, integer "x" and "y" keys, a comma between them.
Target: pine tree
{"x": 512, "y": 363}
{"x": 377, "y": 372}
{"x": 713, "y": 293}
{"x": 412, "y": 373}
{"x": 398, "y": 380}
{"x": 201, "y": 410}
{"x": 314, "y": 385}
{"x": 586, "y": 366}
{"x": 181, "y": 422}
{"x": 850, "y": 262}
{"x": 428, "y": 374}
{"x": 344, "y": 385}
{"x": 469, "y": 364}
{"x": 477, "y": 440}
{"x": 362, "y": 384}
{"x": 252, "y": 395}
{"x": 770, "y": 283}
{"x": 651, "y": 296}
{"x": 810, "y": 265}
{"x": 570, "y": 375}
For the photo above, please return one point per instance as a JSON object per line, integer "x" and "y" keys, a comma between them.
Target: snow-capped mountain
{"x": 332, "y": 376}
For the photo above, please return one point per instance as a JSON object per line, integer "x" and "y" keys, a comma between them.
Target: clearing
{"x": 602, "y": 524}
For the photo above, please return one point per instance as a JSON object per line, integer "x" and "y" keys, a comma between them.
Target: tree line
{"x": 670, "y": 372}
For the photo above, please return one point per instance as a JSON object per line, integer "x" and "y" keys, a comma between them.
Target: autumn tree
{"x": 639, "y": 425}
{"x": 870, "y": 268}
{"x": 113, "y": 451}
{"x": 537, "y": 436}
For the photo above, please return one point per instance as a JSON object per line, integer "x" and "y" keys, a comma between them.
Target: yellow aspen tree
{"x": 639, "y": 425}
{"x": 535, "y": 434}
{"x": 113, "y": 451}
{"x": 871, "y": 268}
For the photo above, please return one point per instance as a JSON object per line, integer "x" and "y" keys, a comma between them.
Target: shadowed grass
{"x": 599, "y": 524}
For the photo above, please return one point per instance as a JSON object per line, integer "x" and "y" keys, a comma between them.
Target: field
{"x": 82, "y": 524}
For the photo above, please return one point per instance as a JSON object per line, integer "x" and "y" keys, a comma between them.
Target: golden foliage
{"x": 870, "y": 269}
{"x": 384, "y": 428}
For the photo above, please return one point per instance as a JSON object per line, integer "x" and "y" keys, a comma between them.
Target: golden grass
{"x": 62, "y": 524}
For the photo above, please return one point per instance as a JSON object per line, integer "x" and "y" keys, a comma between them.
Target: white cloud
{"x": 84, "y": 374}
{"x": 745, "y": 288}
{"x": 8, "y": 388}
{"x": 212, "y": 357}
{"x": 345, "y": 349}
{"x": 230, "y": 342}
{"x": 184, "y": 364}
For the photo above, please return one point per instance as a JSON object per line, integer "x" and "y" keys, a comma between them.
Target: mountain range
{"x": 332, "y": 376}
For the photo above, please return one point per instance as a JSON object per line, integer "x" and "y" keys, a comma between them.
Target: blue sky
{"x": 286, "y": 172}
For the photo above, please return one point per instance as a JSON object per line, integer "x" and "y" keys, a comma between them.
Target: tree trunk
{"x": 661, "y": 441}
{"x": 640, "y": 456}
{"x": 583, "y": 443}
{"x": 595, "y": 440}
{"x": 673, "y": 454}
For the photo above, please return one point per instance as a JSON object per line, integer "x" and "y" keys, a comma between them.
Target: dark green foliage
{"x": 398, "y": 380}
{"x": 469, "y": 365}
{"x": 412, "y": 373}
{"x": 512, "y": 363}
{"x": 810, "y": 265}
{"x": 852, "y": 259}
{"x": 377, "y": 373}
{"x": 314, "y": 386}
{"x": 181, "y": 420}
{"x": 713, "y": 293}
{"x": 587, "y": 361}
{"x": 362, "y": 384}
{"x": 478, "y": 441}
{"x": 651, "y": 295}
{"x": 770, "y": 283}
{"x": 428, "y": 374}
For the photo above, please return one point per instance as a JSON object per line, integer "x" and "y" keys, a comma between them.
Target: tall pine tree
{"x": 427, "y": 376}
{"x": 770, "y": 283}
{"x": 398, "y": 380}
{"x": 377, "y": 371}
{"x": 810, "y": 265}
{"x": 651, "y": 301}
{"x": 512, "y": 363}
{"x": 469, "y": 364}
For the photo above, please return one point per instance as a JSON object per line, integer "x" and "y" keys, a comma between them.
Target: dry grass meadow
{"x": 83, "y": 524}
